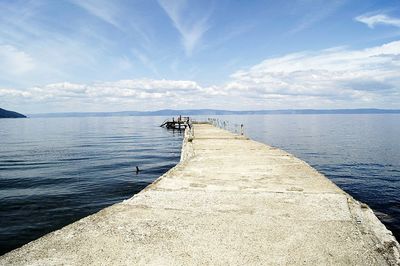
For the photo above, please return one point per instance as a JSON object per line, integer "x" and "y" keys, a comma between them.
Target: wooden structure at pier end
{"x": 177, "y": 123}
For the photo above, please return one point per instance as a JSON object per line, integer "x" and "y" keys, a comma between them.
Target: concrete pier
{"x": 230, "y": 201}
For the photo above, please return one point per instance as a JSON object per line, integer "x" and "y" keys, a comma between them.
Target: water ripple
{"x": 56, "y": 171}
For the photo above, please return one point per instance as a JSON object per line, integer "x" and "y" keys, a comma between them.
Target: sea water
{"x": 54, "y": 171}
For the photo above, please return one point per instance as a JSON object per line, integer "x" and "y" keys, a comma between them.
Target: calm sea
{"x": 360, "y": 153}
{"x": 54, "y": 171}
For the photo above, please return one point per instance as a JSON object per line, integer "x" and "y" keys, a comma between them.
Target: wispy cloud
{"x": 116, "y": 15}
{"x": 106, "y": 11}
{"x": 378, "y": 19}
{"x": 315, "y": 11}
{"x": 14, "y": 62}
{"x": 144, "y": 59}
{"x": 191, "y": 27}
{"x": 36, "y": 48}
{"x": 106, "y": 41}
{"x": 330, "y": 78}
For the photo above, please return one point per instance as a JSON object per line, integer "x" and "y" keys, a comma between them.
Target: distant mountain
{"x": 10, "y": 114}
{"x": 191, "y": 112}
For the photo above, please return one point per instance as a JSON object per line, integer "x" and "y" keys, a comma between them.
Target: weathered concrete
{"x": 230, "y": 201}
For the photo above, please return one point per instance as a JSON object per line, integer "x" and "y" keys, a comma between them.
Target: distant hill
{"x": 191, "y": 112}
{"x": 10, "y": 114}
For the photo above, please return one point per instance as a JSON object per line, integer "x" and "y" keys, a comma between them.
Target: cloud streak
{"x": 378, "y": 19}
{"x": 116, "y": 15}
{"x": 190, "y": 27}
{"x": 103, "y": 10}
{"x": 14, "y": 61}
{"x": 317, "y": 10}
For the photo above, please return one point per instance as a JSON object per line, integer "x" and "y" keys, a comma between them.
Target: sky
{"x": 100, "y": 55}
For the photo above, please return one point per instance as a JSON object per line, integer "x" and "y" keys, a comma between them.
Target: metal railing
{"x": 224, "y": 124}
{"x": 190, "y": 129}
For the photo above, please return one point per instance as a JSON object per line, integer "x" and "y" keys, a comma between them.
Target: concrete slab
{"x": 229, "y": 201}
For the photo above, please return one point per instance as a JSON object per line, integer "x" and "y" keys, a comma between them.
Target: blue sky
{"x": 99, "y": 55}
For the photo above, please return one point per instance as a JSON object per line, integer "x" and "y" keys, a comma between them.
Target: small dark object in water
{"x": 137, "y": 170}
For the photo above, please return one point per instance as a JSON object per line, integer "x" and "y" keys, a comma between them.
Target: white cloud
{"x": 14, "y": 61}
{"x": 378, "y": 19}
{"x": 124, "y": 93}
{"x": 34, "y": 49}
{"x": 332, "y": 78}
{"x": 191, "y": 29}
{"x": 353, "y": 77}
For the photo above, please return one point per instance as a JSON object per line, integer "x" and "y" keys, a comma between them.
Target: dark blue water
{"x": 55, "y": 171}
{"x": 360, "y": 153}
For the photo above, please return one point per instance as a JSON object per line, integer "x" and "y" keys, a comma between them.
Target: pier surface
{"x": 230, "y": 201}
